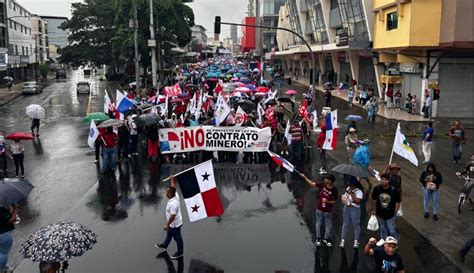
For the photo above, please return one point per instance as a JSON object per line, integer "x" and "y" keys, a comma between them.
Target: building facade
{"x": 57, "y": 38}
{"x": 39, "y": 32}
{"x": 247, "y": 43}
{"x": 21, "y": 51}
{"x": 337, "y": 31}
{"x": 3, "y": 39}
{"x": 427, "y": 47}
{"x": 233, "y": 34}
{"x": 268, "y": 16}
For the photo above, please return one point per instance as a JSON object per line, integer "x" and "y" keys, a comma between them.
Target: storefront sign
{"x": 24, "y": 59}
{"x": 409, "y": 68}
{"x": 3, "y": 59}
{"x": 211, "y": 138}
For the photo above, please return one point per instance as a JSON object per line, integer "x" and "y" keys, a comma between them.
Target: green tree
{"x": 44, "y": 70}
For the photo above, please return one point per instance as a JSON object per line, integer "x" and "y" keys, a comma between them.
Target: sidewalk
{"x": 7, "y": 96}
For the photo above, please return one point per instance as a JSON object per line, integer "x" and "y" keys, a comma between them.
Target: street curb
{"x": 45, "y": 85}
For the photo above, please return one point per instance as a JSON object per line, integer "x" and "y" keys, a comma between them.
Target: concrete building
{"x": 339, "y": 32}
{"x": 3, "y": 39}
{"x": 427, "y": 46}
{"x": 268, "y": 16}
{"x": 39, "y": 32}
{"x": 233, "y": 34}
{"x": 198, "y": 41}
{"x": 21, "y": 51}
{"x": 57, "y": 37}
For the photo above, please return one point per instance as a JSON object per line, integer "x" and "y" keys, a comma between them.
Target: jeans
{"x": 430, "y": 195}
{"x": 174, "y": 233}
{"x": 398, "y": 102}
{"x": 457, "y": 151}
{"x": 133, "y": 144}
{"x": 469, "y": 244}
{"x": 97, "y": 146}
{"x": 296, "y": 150}
{"x": 3, "y": 157}
{"x": 388, "y": 227}
{"x": 426, "y": 148}
{"x": 426, "y": 112}
{"x": 18, "y": 160}
{"x": 110, "y": 158}
{"x": 122, "y": 148}
{"x": 6, "y": 242}
{"x": 327, "y": 218}
{"x": 351, "y": 214}
{"x": 322, "y": 156}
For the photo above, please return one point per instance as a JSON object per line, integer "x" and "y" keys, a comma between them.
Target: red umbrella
{"x": 291, "y": 92}
{"x": 213, "y": 79}
{"x": 176, "y": 100}
{"x": 242, "y": 89}
{"x": 20, "y": 136}
{"x": 262, "y": 89}
{"x": 240, "y": 84}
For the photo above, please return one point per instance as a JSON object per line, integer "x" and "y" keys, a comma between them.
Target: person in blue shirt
{"x": 427, "y": 141}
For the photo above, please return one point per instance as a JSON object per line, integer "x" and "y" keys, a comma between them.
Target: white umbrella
{"x": 35, "y": 111}
{"x": 256, "y": 70}
{"x": 8, "y": 78}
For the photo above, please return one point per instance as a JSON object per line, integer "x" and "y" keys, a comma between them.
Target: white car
{"x": 83, "y": 87}
{"x": 31, "y": 88}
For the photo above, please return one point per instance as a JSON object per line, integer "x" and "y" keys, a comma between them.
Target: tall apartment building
{"x": 338, "y": 31}
{"x": 21, "y": 52}
{"x": 233, "y": 34}
{"x": 3, "y": 39}
{"x": 57, "y": 37}
{"x": 40, "y": 35}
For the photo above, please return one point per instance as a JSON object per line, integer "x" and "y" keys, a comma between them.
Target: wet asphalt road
{"x": 268, "y": 223}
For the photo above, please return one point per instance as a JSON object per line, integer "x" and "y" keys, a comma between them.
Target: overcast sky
{"x": 204, "y": 11}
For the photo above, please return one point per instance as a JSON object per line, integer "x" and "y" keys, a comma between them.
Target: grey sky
{"x": 204, "y": 11}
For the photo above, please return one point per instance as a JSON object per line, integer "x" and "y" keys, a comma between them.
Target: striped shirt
{"x": 296, "y": 133}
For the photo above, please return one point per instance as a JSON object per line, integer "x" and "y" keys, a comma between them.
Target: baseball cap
{"x": 391, "y": 240}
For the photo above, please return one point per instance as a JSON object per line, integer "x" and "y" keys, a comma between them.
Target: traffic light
{"x": 217, "y": 25}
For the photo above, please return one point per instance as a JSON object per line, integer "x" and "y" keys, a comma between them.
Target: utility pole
{"x": 152, "y": 45}
{"x": 137, "y": 57}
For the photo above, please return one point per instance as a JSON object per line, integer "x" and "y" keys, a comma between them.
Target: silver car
{"x": 83, "y": 87}
{"x": 31, "y": 88}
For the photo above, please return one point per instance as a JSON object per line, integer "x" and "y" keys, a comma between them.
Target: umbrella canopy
{"x": 235, "y": 79}
{"x": 351, "y": 169}
{"x": 14, "y": 191}
{"x": 98, "y": 116}
{"x": 251, "y": 87}
{"x": 271, "y": 102}
{"x": 291, "y": 92}
{"x": 256, "y": 70}
{"x": 132, "y": 84}
{"x": 284, "y": 99}
{"x": 238, "y": 94}
{"x": 353, "y": 117}
{"x": 242, "y": 89}
{"x": 245, "y": 80}
{"x": 8, "y": 78}
{"x": 262, "y": 89}
{"x": 147, "y": 119}
{"x": 176, "y": 100}
{"x": 35, "y": 111}
{"x": 260, "y": 94}
{"x": 110, "y": 123}
{"x": 58, "y": 242}
{"x": 247, "y": 105}
{"x": 20, "y": 136}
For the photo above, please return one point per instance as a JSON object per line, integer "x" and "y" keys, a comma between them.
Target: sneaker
{"x": 282, "y": 152}
{"x": 454, "y": 161}
{"x": 287, "y": 153}
{"x": 129, "y": 156}
{"x": 459, "y": 162}
{"x": 380, "y": 242}
{"x": 327, "y": 243}
{"x": 318, "y": 242}
{"x": 160, "y": 246}
{"x": 426, "y": 215}
{"x": 176, "y": 256}
{"x": 184, "y": 156}
{"x": 356, "y": 244}
{"x": 341, "y": 245}
{"x": 175, "y": 155}
{"x": 435, "y": 217}
{"x": 22, "y": 177}
{"x": 96, "y": 161}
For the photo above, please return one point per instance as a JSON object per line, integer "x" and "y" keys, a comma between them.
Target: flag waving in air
{"x": 330, "y": 142}
{"x": 402, "y": 148}
{"x": 280, "y": 161}
{"x": 123, "y": 103}
{"x": 240, "y": 116}
{"x": 198, "y": 187}
{"x": 93, "y": 134}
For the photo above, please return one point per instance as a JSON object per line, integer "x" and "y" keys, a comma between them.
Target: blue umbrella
{"x": 58, "y": 242}
{"x": 245, "y": 80}
{"x": 353, "y": 117}
{"x": 251, "y": 86}
{"x": 14, "y": 191}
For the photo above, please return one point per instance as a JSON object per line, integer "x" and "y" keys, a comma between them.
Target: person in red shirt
{"x": 320, "y": 142}
{"x": 109, "y": 151}
{"x": 326, "y": 200}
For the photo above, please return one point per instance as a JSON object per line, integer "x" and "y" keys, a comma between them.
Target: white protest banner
{"x": 211, "y": 138}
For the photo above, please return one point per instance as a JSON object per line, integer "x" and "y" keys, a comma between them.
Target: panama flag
{"x": 198, "y": 187}
{"x": 106, "y": 102}
{"x": 260, "y": 113}
{"x": 169, "y": 141}
{"x": 287, "y": 132}
{"x": 222, "y": 111}
{"x": 330, "y": 142}
{"x": 280, "y": 161}
{"x": 93, "y": 134}
{"x": 123, "y": 103}
{"x": 402, "y": 148}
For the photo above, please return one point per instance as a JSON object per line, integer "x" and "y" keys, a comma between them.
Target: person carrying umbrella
{"x": 3, "y": 154}
{"x": 7, "y": 220}
{"x": 35, "y": 123}
{"x": 17, "y": 149}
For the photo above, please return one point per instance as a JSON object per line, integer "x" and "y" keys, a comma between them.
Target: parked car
{"x": 83, "y": 87}
{"x": 61, "y": 74}
{"x": 31, "y": 88}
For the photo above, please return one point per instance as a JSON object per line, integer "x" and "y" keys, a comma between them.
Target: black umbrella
{"x": 111, "y": 123}
{"x": 13, "y": 191}
{"x": 271, "y": 102}
{"x": 147, "y": 119}
{"x": 247, "y": 105}
{"x": 285, "y": 99}
{"x": 351, "y": 169}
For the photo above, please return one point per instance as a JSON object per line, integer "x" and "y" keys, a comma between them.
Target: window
{"x": 14, "y": 7}
{"x": 27, "y": 51}
{"x": 21, "y": 11}
{"x": 22, "y": 50}
{"x": 3, "y": 37}
{"x": 16, "y": 49}
{"x": 11, "y": 24}
{"x": 334, "y": 4}
{"x": 15, "y": 25}
{"x": 392, "y": 21}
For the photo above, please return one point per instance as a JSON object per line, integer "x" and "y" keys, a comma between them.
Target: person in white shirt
{"x": 133, "y": 137}
{"x": 351, "y": 200}
{"x": 173, "y": 221}
{"x": 18, "y": 150}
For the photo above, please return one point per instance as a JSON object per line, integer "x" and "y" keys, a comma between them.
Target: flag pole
{"x": 187, "y": 169}
{"x": 391, "y": 155}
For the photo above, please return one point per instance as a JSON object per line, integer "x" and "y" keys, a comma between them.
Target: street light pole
{"x": 135, "y": 39}
{"x": 152, "y": 45}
